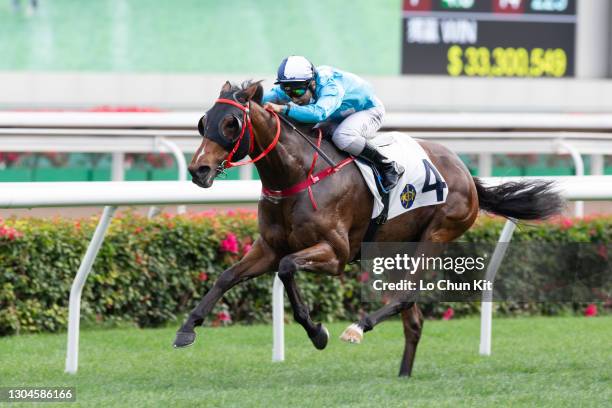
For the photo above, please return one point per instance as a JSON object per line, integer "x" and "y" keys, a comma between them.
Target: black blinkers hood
{"x": 209, "y": 126}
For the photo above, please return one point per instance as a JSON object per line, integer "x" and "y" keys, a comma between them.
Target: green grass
{"x": 557, "y": 362}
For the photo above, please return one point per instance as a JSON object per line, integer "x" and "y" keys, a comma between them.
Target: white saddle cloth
{"x": 411, "y": 191}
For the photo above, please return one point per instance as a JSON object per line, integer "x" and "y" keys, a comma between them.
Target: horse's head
{"x": 225, "y": 132}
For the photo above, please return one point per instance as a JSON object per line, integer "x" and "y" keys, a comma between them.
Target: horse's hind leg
{"x": 413, "y": 326}
{"x": 403, "y": 302}
{"x": 399, "y": 302}
{"x": 319, "y": 258}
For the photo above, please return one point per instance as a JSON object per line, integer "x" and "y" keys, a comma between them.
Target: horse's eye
{"x": 202, "y": 125}
{"x": 230, "y": 127}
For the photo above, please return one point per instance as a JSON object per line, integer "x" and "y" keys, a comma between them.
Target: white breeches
{"x": 353, "y": 132}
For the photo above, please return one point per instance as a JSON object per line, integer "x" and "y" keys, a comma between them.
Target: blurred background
{"x": 514, "y": 86}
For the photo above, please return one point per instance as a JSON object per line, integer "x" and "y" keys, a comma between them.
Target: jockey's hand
{"x": 275, "y": 107}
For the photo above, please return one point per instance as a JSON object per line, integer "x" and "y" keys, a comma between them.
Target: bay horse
{"x": 322, "y": 231}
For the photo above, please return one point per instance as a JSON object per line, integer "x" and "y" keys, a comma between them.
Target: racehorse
{"x": 321, "y": 231}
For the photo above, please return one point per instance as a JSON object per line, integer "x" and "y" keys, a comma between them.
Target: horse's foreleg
{"x": 413, "y": 326}
{"x": 259, "y": 260}
{"x": 320, "y": 258}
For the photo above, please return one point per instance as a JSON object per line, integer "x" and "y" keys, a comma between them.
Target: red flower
{"x": 203, "y": 276}
{"x": 246, "y": 248}
{"x": 448, "y": 314}
{"x": 224, "y": 317}
{"x": 9, "y": 233}
{"x": 9, "y": 158}
{"x": 229, "y": 244}
{"x": 566, "y": 223}
{"x": 602, "y": 251}
{"x": 363, "y": 277}
{"x": 138, "y": 230}
{"x": 591, "y": 310}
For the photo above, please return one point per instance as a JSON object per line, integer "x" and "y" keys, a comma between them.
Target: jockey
{"x": 325, "y": 94}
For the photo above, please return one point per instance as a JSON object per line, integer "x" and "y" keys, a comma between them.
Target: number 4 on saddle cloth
{"x": 420, "y": 185}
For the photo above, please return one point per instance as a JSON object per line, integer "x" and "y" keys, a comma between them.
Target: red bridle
{"x": 246, "y": 118}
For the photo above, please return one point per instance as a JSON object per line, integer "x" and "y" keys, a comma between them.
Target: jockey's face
{"x": 304, "y": 99}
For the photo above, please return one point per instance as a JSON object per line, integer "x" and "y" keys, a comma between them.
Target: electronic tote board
{"x": 489, "y": 38}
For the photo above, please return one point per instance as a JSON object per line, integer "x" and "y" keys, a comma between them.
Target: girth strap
{"x": 375, "y": 223}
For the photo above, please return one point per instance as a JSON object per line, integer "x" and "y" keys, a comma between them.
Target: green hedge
{"x": 150, "y": 272}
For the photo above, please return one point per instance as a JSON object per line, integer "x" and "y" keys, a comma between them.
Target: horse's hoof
{"x": 320, "y": 338}
{"x": 184, "y": 339}
{"x": 352, "y": 334}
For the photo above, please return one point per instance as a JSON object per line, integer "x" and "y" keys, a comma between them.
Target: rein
{"x": 310, "y": 179}
{"x": 301, "y": 186}
{"x": 317, "y": 147}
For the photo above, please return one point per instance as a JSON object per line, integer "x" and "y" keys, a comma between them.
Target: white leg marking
{"x": 352, "y": 334}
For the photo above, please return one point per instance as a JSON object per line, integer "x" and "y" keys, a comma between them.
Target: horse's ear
{"x": 227, "y": 87}
{"x": 259, "y": 92}
{"x": 201, "y": 125}
{"x": 252, "y": 92}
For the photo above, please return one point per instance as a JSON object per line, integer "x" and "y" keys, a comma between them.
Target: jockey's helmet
{"x": 295, "y": 69}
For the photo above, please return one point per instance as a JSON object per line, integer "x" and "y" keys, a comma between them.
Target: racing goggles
{"x": 295, "y": 90}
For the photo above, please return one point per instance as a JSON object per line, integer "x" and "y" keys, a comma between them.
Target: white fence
{"x": 113, "y": 194}
{"x": 393, "y": 120}
{"x": 483, "y": 134}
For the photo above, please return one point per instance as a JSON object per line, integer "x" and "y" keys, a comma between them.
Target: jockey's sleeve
{"x": 330, "y": 99}
{"x": 275, "y": 95}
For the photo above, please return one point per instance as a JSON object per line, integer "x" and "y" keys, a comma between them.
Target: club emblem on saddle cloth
{"x": 420, "y": 185}
{"x": 408, "y": 196}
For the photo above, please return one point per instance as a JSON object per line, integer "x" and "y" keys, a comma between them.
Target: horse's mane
{"x": 234, "y": 87}
{"x": 242, "y": 86}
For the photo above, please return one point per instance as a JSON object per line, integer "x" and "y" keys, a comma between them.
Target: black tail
{"x": 523, "y": 200}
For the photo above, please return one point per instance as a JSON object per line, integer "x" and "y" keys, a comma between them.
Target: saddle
{"x": 327, "y": 128}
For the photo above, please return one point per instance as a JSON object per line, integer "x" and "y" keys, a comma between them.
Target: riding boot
{"x": 389, "y": 170}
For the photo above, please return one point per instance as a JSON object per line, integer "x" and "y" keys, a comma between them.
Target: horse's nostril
{"x": 199, "y": 172}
